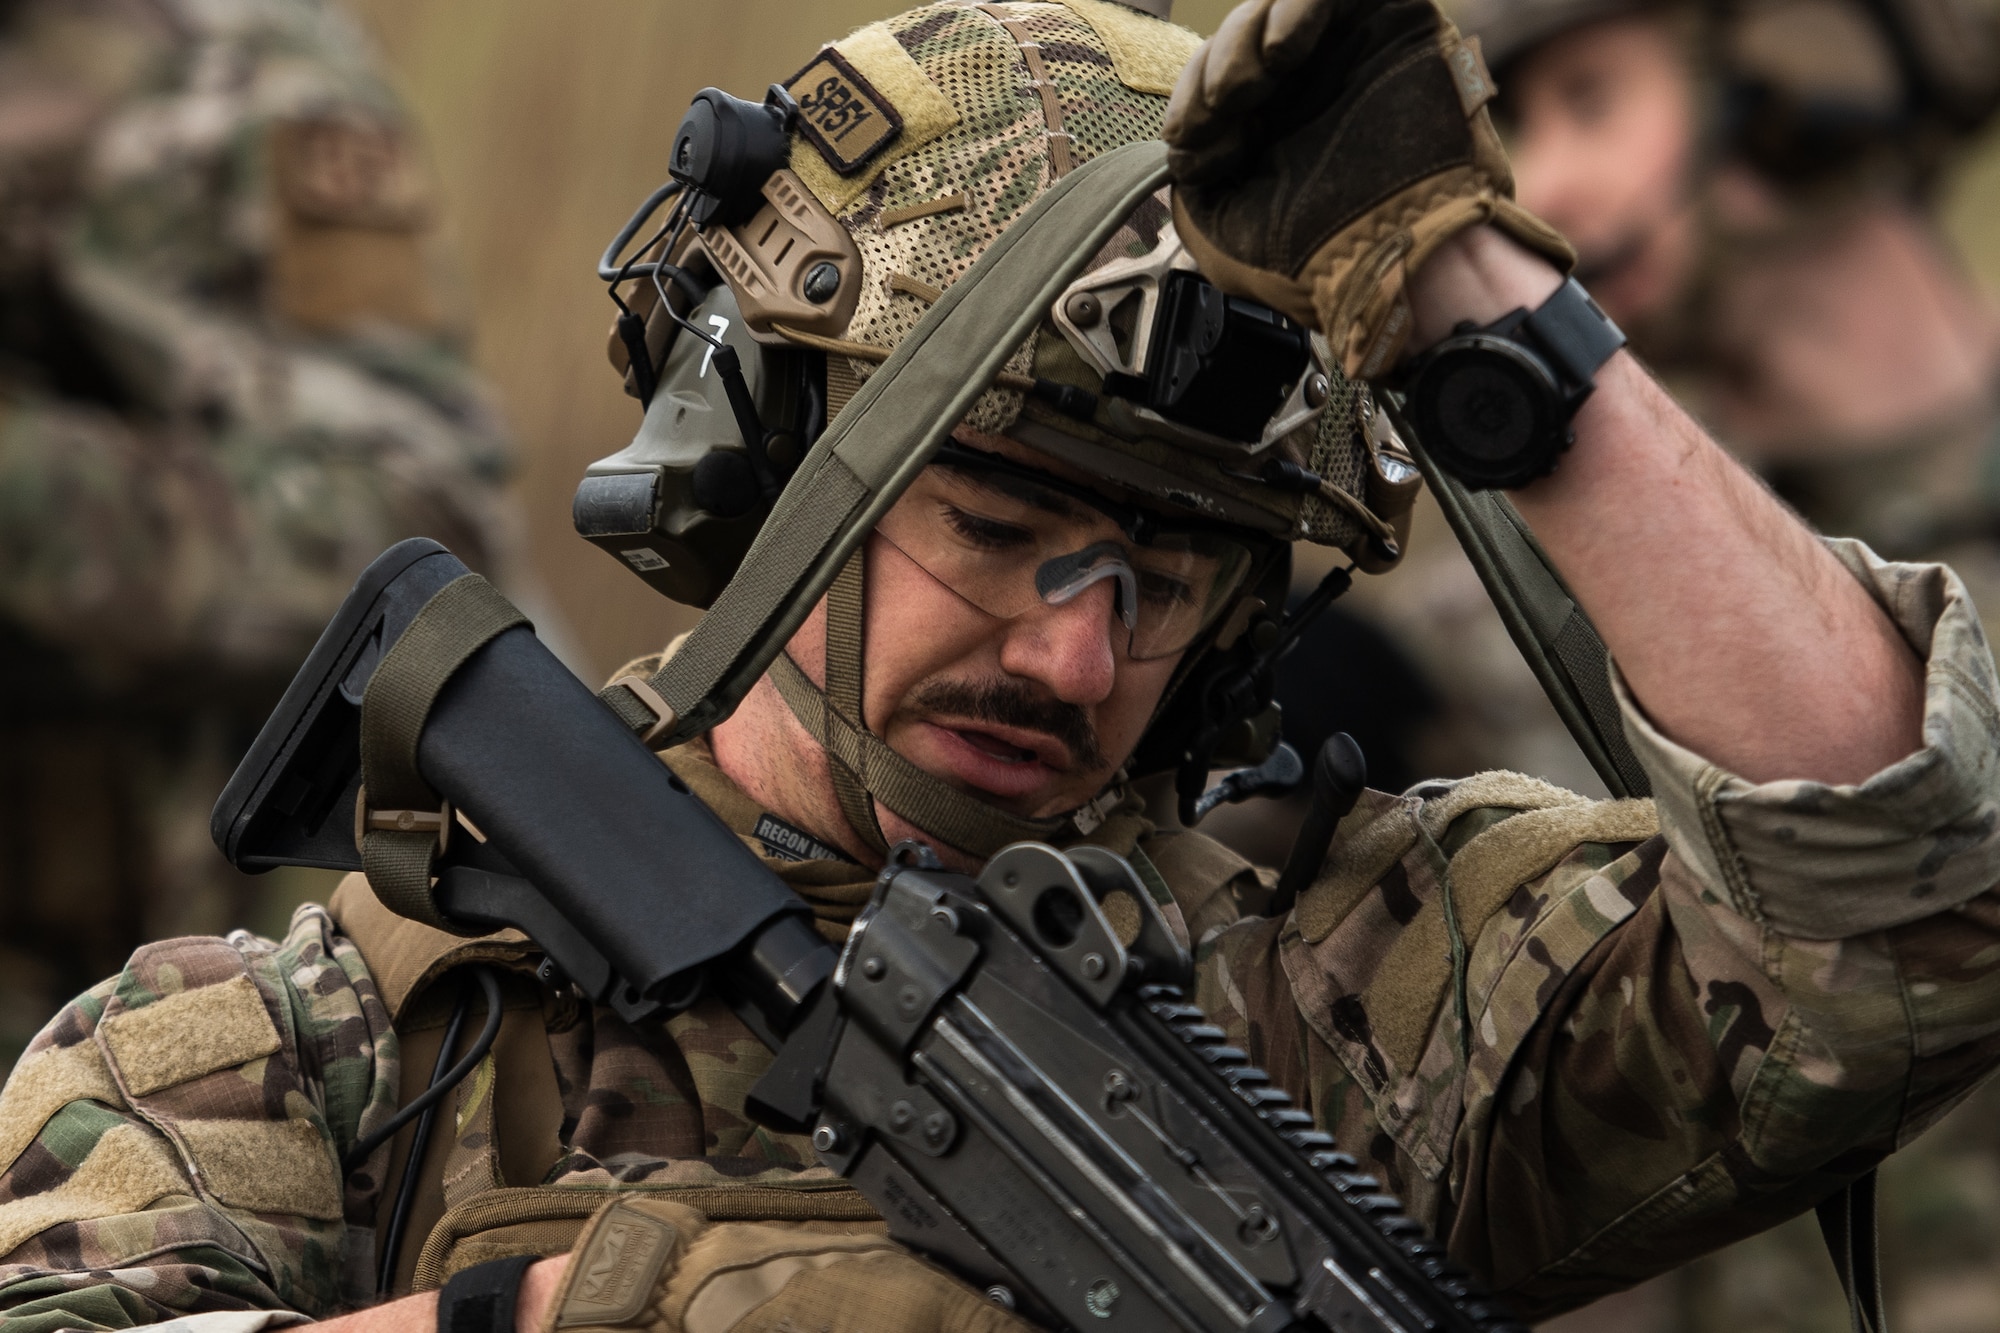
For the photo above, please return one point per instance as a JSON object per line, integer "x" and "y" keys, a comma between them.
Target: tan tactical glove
{"x": 1323, "y": 149}
{"x": 648, "y": 1263}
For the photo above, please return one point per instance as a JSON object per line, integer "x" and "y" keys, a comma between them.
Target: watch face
{"x": 1489, "y": 411}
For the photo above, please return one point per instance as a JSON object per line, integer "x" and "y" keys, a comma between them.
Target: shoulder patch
{"x": 840, "y": 111}
{"x": 1497, "y": 787}
{"x": 1147, "y": 54}
{"x": 42, "y": 1084}
{"x": 1520, "y": 850}
{"x": 265, "y": 1166}
{"x": 1373, "y": 838}
{"x": 126, "y": 1169}
{"x": 189, "y": 1034}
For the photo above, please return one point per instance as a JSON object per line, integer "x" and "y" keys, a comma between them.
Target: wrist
{"x": 538, "y": 1288}
{"x": 1478, "y": 276}
{"x": 500, "y": 1296}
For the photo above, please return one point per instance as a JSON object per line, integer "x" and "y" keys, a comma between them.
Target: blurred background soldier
{"x": 223, "y": 389}
{"x": 1751, "y": 188}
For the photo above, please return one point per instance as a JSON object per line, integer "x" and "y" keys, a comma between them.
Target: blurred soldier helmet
{"x": 814, "y": 232}
{"x": 1804, "y": 90}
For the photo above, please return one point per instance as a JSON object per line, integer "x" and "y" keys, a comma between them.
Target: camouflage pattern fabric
{"x": 978, "y": 146}
{"x": 189, "y": 1111}
{"x": 1588, "y": 1040}
{"x": 1657, "y": 1045}
{"x": 225, "y": 386}
{"x": 1934, "y": 496}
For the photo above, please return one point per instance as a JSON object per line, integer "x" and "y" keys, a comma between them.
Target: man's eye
{"x": 1590, "y": 97}
{"x": 988, "y": 533}
{"x": 1163, "y": 590}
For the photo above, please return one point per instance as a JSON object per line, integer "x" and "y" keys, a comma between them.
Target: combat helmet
{"x": 958, "y": 216}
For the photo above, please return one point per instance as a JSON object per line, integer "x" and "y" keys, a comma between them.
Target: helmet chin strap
{"x": 866, "y": 770}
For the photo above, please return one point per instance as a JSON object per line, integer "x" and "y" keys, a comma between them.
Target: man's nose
{"x": 1069, "y": 648}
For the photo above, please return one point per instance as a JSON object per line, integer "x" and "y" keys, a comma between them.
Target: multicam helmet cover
{"x": 981, "y": 108}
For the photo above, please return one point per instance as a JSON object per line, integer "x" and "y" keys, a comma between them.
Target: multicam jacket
{"x": 224, "y": 388}
{"x": 1585, "y": 1039}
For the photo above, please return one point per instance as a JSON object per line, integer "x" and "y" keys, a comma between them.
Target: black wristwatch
{"x": 1493, "y": 405}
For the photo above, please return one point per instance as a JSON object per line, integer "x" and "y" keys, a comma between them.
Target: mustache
{"x": 1009, "y": 703}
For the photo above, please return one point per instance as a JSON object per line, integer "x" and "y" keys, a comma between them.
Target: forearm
{"x": 418, "y": 1314}
{"x": 1738, "y": 632}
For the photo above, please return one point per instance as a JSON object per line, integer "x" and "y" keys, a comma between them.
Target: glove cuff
{"x": 1360, "y": 281}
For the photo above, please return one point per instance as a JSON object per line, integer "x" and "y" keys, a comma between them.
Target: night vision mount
{"x": 1183, "y": 359}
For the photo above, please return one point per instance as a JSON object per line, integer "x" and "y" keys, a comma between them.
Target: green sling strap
{"x": 401, "y": 824}
{"x": 882, "y": 439}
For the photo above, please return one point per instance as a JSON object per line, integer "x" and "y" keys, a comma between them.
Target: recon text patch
{"x": 787, "y": 843}
{"x": 847, "y": 120}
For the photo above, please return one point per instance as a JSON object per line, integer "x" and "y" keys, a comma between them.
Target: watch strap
{"x": 481, "y": 1299}
{"x": 1575, "y": 334}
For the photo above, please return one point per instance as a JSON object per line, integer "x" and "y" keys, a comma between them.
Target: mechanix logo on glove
{"x": 1323, "y": 149}
{"x": 617, "y": 1273}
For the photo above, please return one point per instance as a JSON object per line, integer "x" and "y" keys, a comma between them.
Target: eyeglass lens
{"x": 1007, "y": 546}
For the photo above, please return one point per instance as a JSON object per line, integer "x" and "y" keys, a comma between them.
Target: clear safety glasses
{"x": 1008, "y": 538}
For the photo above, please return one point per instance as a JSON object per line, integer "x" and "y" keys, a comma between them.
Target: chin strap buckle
{"x": 1090, "y": 816}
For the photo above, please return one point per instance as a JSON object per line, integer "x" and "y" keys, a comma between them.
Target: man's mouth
{"x": 999, "y": 762}
{"x": 1000, "y": 739}
{"x": 1009, "y": 745}
{"x": 993, "y": 745}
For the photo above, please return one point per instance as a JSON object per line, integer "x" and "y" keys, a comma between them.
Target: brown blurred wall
{"x": 548, "y": 120}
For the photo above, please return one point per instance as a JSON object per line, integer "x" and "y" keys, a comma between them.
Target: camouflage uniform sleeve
{"x": 1590, "y": 1040}
{"x": 173, "y": 1140}
{"x": 247, "y": 390}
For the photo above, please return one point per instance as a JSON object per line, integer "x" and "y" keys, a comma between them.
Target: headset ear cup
{"x": 725, "y": 149}
{"x": 704, "y": 501}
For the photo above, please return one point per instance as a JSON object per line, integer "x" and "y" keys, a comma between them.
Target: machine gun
{"x": 1006, "y": 1066}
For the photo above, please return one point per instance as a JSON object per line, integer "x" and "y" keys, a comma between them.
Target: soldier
{"x": 1584, "y": 1040}
{"x": 1751, "y": 192}
{"x": 225, "y": 382}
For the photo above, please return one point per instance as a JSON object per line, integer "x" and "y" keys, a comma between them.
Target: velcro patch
{"x": 842, "y": 113}
{"x": 265, "y": 1166}
{"x": 188, "y": 1035}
